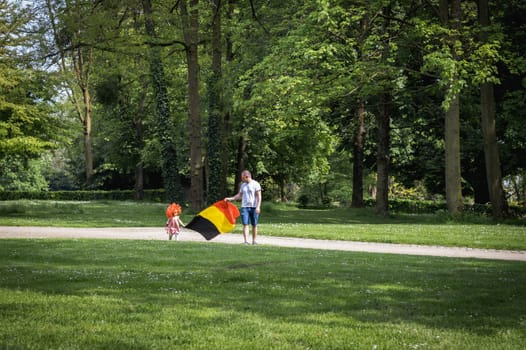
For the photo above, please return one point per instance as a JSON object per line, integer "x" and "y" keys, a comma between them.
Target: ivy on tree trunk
{"x": 190, "y": 33}
{"x": 452, "y": 116}
{"x": 216, "y": 135}
{"x": 358, "y": 150}
{"x": 165, "y": 126}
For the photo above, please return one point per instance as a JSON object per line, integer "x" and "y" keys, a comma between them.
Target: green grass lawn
{"x": 121, "y": 294}
{"x": 281, "y": 220}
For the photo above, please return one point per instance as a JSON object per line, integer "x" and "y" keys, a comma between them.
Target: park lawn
{"x": 461, "y": 235}
{"x": 122, "y": 294}
{"x": 288, "y": 221}
{"x": 82, "y": 213}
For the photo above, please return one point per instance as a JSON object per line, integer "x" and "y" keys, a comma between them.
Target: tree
{"x": 165, "y": 125}
{"x": 73, "y": 40}
{"x": 358, "y": 51}
{"x": 510, "y": 94}
{"x": 283, "y": 85}
{"x": 124, "y": 122}
{"x": 489, "y": 133}
{"x": 445, "y": 58}
{"x": 190, "y": 19}
{"x": 281, "y": 124}
{"x": 123, "y": 127}
{"x": 383, "y": 132}
{"x": 358, "y": 156}
{"x": 28, "y": 128}
{"x": 454, "y": 201}
{"x": 216, "y": 184}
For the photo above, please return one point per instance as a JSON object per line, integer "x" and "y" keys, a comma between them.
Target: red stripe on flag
{"x": 228, "y": 209}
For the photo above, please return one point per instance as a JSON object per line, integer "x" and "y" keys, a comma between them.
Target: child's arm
{"x": 180, "y": 221}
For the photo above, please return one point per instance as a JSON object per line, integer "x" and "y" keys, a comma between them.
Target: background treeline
{"x": 325, "y": 101}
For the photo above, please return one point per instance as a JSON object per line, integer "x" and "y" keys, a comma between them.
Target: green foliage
{"x": 116, "y": 195}
{"x": 215, "y": 146}
{"x": 27, "y": 129}
{"x": 165, "y": 128}
{"x": 21, "y": 175}
{"x": 399, "y": 191}
{"x": 28, "y": 126}
{"x": 282, "y": 116}
{"x": 294, "y": 73}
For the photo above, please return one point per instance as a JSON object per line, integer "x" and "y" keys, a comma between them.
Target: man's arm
{"x": 236, "y": 197}
{"x": 258, "y": 196}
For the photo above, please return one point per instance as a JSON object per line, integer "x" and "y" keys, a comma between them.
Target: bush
{"x": 120, "y": 195}
{"x": 303, "y": 201}
{"x": 416, "y": 206}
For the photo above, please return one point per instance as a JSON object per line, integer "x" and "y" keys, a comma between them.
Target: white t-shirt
{"x": 248, "y": 194}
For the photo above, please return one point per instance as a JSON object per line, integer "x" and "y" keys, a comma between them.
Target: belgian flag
{"x": 218, "y": 218}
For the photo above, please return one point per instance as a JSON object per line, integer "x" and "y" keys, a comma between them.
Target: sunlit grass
{"x": 288, "y": 221}
{"x": 479, "y": 236}
{"x": 81, "y": 213}
{"x": 92, "y": 294}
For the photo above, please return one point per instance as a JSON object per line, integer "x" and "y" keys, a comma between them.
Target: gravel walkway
{"x": 156, "y": 233}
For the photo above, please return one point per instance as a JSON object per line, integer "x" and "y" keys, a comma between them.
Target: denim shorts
{"x": 249, "y": 216}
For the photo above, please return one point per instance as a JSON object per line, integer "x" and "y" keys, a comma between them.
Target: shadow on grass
{"x": 137, "y": 280}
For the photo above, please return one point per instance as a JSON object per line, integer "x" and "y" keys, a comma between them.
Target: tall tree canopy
{"x": 28, "y": 125}
{"x": 352, "y": 98}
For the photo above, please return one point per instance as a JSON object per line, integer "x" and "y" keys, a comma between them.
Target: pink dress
{"x": 173, "y": 227}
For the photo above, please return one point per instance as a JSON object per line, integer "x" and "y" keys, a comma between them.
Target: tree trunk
{"x": 452, "y": 121}
{"x": 452, "y": 140}
{"x": 229, "y": 58}
{"x": 282, "y": 195}
{"x": 382, "y": 159}
{"x": 216, "y": 184}
{"x": 139, "y": 135}
{"x": 489, "y": 134}
{"x": 138, "y": 193}
{"x": 358, "y": 149}
{"x": 479, "y": 183}
{"x": 491, "y": 151}
{"x": 190, "y": 32}
{"x": 88, "y": 150}
{"x": 79, "y": 61}
{"x": 382, "y": 153}
{"x": 165, "y": 124}
{"x": 227, "y": 94}
{"x": 139, "y": 166}
{"x": 241, "y": 155}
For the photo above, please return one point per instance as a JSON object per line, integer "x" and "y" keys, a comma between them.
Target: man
{"x": 250, "y": 195}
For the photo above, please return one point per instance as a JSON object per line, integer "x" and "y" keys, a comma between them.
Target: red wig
{"x": 173, "y": 210}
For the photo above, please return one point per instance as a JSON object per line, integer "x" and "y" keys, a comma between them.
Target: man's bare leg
{"x": 254, "y": 234}
{"x": 245, "y": 233}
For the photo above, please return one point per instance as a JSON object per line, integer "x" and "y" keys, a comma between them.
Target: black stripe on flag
{"x": 204, "y": 227}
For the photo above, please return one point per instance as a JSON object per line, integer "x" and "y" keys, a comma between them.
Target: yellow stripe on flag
{"x": 218, "y": 218}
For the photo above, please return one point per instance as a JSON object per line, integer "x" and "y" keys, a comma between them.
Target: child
{"x": 174, "y": 223}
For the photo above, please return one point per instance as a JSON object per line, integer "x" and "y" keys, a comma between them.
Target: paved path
{"x": 156, "y": 233}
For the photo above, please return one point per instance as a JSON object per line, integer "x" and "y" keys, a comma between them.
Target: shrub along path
{"x": 156, "y": 233}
